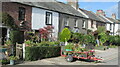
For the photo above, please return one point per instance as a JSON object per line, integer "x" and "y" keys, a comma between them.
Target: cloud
{"x": 111, "y": 10}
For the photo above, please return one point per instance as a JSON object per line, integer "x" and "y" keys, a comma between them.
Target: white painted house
{"x": 42, "y": 17}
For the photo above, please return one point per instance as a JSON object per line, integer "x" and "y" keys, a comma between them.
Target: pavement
{"x": 110, "y": 57}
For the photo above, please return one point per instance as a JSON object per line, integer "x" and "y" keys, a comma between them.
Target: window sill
{"x": 75, "y": 27}
{"x": 84, "y": 28}
{"x": 67, "y": 26}
{"x": 48, "y": 24}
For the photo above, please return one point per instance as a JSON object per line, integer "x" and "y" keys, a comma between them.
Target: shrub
{"x": 4, "y": 61}
{"x": 8, "y": 21}
{"x": 103, "y": 37}
{"x": 65, "y": 35}
{"x": 89, "y": 39}
{"x": 35, "y": 53}
{"x": 47, "y": 43}
{"x": 69, "y": 46}
{"x": 76, "y": 37}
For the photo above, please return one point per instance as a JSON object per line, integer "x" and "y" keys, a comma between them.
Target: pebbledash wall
{"x": 39, "y": 19}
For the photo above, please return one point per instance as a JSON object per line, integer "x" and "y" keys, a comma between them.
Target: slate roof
{"x": 103, "y": 18}
{"x": 113, "y": 20}
{"x": 92, "y": 15}
{"x": 56, "y": 6}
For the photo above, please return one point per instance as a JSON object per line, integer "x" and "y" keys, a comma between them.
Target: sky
{"x": 109, "y": 6}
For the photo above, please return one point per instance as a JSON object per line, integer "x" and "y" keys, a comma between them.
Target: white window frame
{"x": 83, "y": 23}
{"x": 66, "y": 21}
{"x": 76, "y": 22}
{"x": 49, "y": 18}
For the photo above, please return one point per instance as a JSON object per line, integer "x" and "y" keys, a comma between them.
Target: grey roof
{"x": 56, "y": 6}
{"x": 103, "y": 18}
{"x": 113, "y": 20}
{"x": 92, "y": 15}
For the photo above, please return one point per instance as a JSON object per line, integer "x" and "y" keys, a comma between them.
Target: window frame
{"x": 92, "y": 23}
{"x": 83, "y": 24}
{"x": 110, "y": 26}
{"x": 66, "y": 21}
{"x": 76, "y": 23}
{"x": 21, "y": 16}
{"x": 47, "y": 22}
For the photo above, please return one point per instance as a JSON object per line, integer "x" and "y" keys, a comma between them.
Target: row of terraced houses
{"x": 36, "y": 15}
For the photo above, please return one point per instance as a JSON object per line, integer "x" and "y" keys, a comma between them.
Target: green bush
{"x": 69, "y": 46}
{"x": 16, "y": 37}
{"x": 8, "y": 21}
{"x": 47, "y": 43}
{"x": 65, "y": 35}
{"x": 4, "y": 61}
{"x": 35, "y": 53}
{"x": 89, "y": 39}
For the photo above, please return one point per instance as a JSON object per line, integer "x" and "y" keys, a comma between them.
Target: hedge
{"x": 35, "y": 53}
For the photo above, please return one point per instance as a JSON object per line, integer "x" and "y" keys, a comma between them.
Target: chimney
{"x": 100, "y": 12}
{"x": 73, "y": 3}
{"x": 114, "y": 16}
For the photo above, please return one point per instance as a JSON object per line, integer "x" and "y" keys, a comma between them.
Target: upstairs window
{"x": 66, "y": 22}
{"x": 83, "y": 24}
{"x": 21, "y": 13}
{"x": 76, "y": 23}
{"x": 48, "y": 18}
{"x": 97, "y": 25}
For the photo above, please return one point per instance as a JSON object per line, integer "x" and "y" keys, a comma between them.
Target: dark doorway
{"x": 4, "y": 35}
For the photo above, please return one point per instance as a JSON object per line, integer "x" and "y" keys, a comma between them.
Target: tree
{"x": 101, "y": 29}
{"x": 65, "y": 35}
{"x": 103, "y": 37}
{"x": 7, "y": 20}
{"x": 45, "y": 32}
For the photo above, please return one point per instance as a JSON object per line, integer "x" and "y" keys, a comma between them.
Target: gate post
{"x": 23, "y": 50}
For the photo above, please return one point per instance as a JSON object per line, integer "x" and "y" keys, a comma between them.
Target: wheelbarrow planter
{"x": 87, "y": 55}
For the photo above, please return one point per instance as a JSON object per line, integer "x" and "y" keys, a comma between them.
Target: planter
{"x": 69, "y": 50}
{"x": 12, "y": 62}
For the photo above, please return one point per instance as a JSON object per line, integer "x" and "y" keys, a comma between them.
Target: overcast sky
{"x": 109, "y": 6}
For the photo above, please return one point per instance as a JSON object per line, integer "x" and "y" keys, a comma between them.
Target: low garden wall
{"x": 35, "y": 52}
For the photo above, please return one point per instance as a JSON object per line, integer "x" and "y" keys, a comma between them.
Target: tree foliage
{"x": 7, "y": 20}
{"x": 65, "y": 35}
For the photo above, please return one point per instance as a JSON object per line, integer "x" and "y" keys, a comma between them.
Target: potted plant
{"x": 69, "y": 47}
{"x": 12, "y": 60}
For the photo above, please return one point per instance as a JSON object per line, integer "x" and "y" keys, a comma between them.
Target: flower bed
{"x": 35, "y": 53}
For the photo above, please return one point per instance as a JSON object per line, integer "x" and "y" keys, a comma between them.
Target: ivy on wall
{"x": 7, "y": 20}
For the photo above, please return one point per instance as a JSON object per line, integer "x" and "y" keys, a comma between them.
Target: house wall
{"x": 116, "y": 29}
{"x": 108, "y": 27}
{"x": 13, "y": 10}
{"x": 93, "y": 28}
{"x": 72, "y": 23}
{"x": 38, "y": 19}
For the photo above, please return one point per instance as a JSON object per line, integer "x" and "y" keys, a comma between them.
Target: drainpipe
{"x": 113, "y": 28}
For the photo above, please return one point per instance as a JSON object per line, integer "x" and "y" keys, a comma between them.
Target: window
{"x": 48, "y": 18}
{"x": 66, "y": 22}
{"x": 97, "y": 25}
{"x": 76, "y": 23}
{"x": 21, "y": 13}
{"x": 91, "y": 24}
{"x": 83, "y": 24}
{"x": 110, "y": 26}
